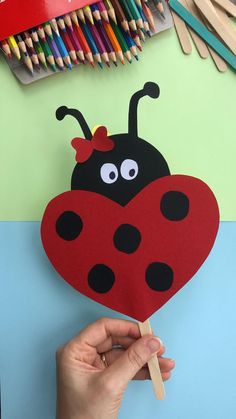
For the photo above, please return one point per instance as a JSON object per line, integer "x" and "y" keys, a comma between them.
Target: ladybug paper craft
{"x": 128, "y": 234}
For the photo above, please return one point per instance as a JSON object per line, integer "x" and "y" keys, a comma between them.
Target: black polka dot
{"x": 69, "y": 225}
{"x": 127, "y": 238}
{"x": 159, "y": 276}
{"x": 174, "y": 205}
{"x": 101, "y": 278}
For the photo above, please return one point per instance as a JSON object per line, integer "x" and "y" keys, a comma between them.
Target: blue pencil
{"x": 91, "y": 42}
{"x": 62, "y": 48}
{"x": 96, "y": 13}
{"x": 131, "y": 44}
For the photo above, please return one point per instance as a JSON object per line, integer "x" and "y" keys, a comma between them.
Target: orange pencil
{"x": 147, "y": 12}
{"x": 114, "y": 42}
{"x": 87, "y": 51}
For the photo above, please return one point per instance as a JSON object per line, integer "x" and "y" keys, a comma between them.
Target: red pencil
{"x": 6, "y": 49}
{"x": 87, "y": 51}
{"x": 69, "y": 46}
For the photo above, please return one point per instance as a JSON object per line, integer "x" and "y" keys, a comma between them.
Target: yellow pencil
{"x": 14, "y": 47}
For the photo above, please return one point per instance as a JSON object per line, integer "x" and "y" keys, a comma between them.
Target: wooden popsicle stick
{"x": 228, "y": 6}
{"x": 225, "y": 20}
{"x": 182, "y": 33}
{"x": 219, "y": 62}
{"x": 206, "y": 8}
{"x": 199, "y": 43}
{"x": 153, "y": 365}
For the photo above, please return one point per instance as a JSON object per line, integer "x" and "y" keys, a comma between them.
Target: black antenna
{"x": 63, "y": 111}
{"x": 149, "y": 89}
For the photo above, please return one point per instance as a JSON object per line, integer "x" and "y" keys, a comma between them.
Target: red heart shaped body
{"x": 165, "y": 250}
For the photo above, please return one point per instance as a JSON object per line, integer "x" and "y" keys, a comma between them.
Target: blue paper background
{"x": 39, "y": 311}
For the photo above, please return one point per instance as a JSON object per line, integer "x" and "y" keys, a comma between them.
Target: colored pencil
{"x": 80, "y": 14}
{"x": 114, "y": 41}
{"x": 62, "y": 49}
{"x": 69, "y": 46}
{"x": 14, "y": 47}
{"x": 120, "y": 15}
{"x": 68, "y": 21}
{"x": 54, "y": 26}
{"x": 48, "y": 54}
{"x": 159, "y": 6}
{"x": 6, "y": 49}
{"x": 147, "y": 12}
{"x": 25, "y": 55}
{"x": 103, "y": 11}
{"x": 77, "y": 46}
{"x": 56, "y": 53}
{"x": 131, "y": 45}
{"x": 91, "y": 44}
{"x": 145, "y": 23}
{"x": 101, "y": 47}
{"x": 110, "y": 10}
{"x": 107, "y": 44}
{"x": 135, "y": 13}
{"x": 96, "y": 13}
{"x": 38, "y": 47}
{"x": 28, "y": 41}
{"x": 48, "y": 29}
{"x": 136, "y": 39}
{"x": 87, "y": 51}
{"x": 41, "y": 33}
{"x": 128, "y": 15}
{"x": 122, "y": 42}
{"x": 88, "y": 13}
{"x": 74, "y": 18}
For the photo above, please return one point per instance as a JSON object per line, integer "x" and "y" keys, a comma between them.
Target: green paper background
{"x": 192, "y": 124}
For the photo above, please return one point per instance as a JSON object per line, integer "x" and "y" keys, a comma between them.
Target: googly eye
{"x": 129, "y": 169}
{"x": 109, "y": 173}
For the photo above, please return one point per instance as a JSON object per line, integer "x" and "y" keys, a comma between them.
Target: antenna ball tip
{"x": 151, "y": 89}
{"x": 61, "y": 112}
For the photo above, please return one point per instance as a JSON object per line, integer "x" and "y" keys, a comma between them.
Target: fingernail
{"x": 154, "y": 344}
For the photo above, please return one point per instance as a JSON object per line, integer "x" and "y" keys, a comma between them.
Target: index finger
{"x": 97, "y": 332}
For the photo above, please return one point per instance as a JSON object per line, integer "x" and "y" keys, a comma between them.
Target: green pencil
{"x": 122, "y": 41}
{"x": 49, "y": 55}
{"x": 128, "y": 14}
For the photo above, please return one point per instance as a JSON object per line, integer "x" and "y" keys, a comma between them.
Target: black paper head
{"x": 131, "y": 164}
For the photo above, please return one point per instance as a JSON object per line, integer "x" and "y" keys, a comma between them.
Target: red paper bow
{"x": 84, "y": 148}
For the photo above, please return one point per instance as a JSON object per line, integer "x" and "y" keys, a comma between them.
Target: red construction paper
{"x": 183, "y": 245}
{"x": 19, "y": 15}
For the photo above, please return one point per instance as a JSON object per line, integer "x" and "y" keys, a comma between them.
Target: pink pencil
{"x": 103, "y": 11}
{"x": 99, "y": 43}
{"x": 77, "y": 46}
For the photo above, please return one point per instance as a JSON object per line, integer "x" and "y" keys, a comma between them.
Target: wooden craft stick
{"x": 202, "y": 31}
{"x": 182, "y": 33}
{"x": 199, "y": 43}
{"x": 206, "y": 8}
{"x": 153, "y": 365}
{"x": 228, "y": 6}
{"x": 226, "y": 21}
{"x": 219, "y": 62}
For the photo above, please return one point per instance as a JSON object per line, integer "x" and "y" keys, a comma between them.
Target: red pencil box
{"x": 19, "y": 15}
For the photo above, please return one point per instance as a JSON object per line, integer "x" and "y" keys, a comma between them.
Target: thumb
{"x": 132, "y": 360}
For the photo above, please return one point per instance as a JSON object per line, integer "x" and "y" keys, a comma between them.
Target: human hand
{"x": 89, "y": 389}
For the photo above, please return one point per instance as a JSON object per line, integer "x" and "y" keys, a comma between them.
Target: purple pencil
{"x": 56, "y": 53}
{"x": 99, "y": 43}
{"x": 106, "y": 43}
{"x": 78, "y": 48}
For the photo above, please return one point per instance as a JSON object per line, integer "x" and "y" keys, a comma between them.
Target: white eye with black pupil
{"x": 109, "y": 173}
{"x": 129, "y": 169}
